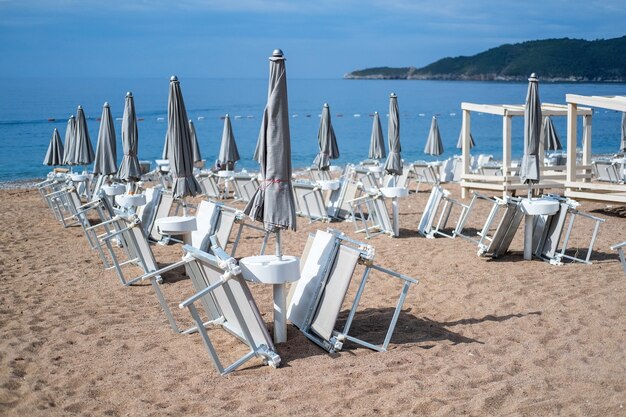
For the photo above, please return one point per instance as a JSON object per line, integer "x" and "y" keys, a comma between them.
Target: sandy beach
{"x": 476, "y": 336}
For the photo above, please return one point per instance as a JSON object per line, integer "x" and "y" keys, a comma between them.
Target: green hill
{"x": 602, "y": 60}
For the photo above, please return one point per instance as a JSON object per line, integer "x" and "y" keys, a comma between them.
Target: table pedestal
{"x": 269, "y": 269}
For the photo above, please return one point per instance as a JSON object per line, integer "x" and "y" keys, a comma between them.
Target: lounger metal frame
{"x": 371, "y": 212}
{"x": 310, "y": 202}
{"x": 433, "y": 206}
{"x": 619, "y": 247}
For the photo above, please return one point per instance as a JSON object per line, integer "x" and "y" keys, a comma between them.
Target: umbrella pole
{"x": 280, "y": 301}
{"x": 279, "y": 249}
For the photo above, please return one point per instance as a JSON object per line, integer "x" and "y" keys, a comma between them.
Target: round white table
{"x": 394, "y": 193}
{"x": 177, "y": 225}
{"x": 535, "y": 207}
{"x": 270, "y": 269}
{"x": 130, "y": 201}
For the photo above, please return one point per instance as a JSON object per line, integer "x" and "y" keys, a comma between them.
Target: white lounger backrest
{"x": 245, "y": 186}
{"x": 304, "y": 291}
{"x": 205, "y": 221}
{"x": 335, "y": 291}
{"x": 428, "y": 217}
{"x": 242, "y": 299}
{"x": 209, "y": 186}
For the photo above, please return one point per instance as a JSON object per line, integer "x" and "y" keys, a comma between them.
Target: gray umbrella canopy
{"x": 393, "y": 165}
{"x": 106, "y": 152}
{"x": 459, "y": 144}
{"x": 326, "y": 140}
{"x": 197, "y": 157}
{"x": 529, "y": 170}
{"x": 622, "y": 146}
{"x": 229, "y": 154}
{"x": 70, "y": 141}
{"x": 130, "y": 170}
{"x": 54, "y": 156}
{"x": 434, "y": 145}
{"x": 549, "y": 136}
{"x": 273, "y": 202}
{"x": 377, "y": 141}
{"x": 83, "y": 153}
{"x": 179, "y": 146}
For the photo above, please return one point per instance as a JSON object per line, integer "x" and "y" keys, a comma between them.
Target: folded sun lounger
{"x": 315, "y": 300}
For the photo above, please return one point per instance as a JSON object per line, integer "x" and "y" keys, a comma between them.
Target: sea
{"x": 31, "y": 108}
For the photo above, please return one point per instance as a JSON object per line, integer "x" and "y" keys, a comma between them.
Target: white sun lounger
{"x": 226, "y": 301}
{"x": 424, "y": 174}
{"x": 310, "y": 202}
{"x": 315, "y": 300}
{"x": 547, "y": 232}
{"x": 427, "y": 226}
{"x": 210, "y": 187}
{"x": 319, "y": 174}
{"x": 510, "y": 218}
{"x": 605, "y": 170}
{"x": 370, "y": 212}
{"x": 245, "y": 186}
{"x": 338, "y": 203}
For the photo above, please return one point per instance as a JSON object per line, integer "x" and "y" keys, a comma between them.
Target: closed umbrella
{"x": 549, "y": 136}
{"x": 393, "y": 165}
{"x": 459, "y": 144}
{"x": 377, "y": 141}
{"x": 622, "y": 146}
{"x": 83, "y": 153}
{"x": 130, "y": 170}
{"x": 529, "y": 170}
{"x": 179, "y": 146}
{"x": 106, "y": 152}
{"x": 434, "y": 145}
{"x": 197, "y": 157}
{"x": 54, "y": 156}
{"x": 70, "y": 141}
{"x": 326, "y": 140}
{"x": 273, "y": 202}
{"x": 229, "y": 154}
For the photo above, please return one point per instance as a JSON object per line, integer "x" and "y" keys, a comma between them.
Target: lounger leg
{"x": 205, "y": 338}
{"x": 165, "y": 307}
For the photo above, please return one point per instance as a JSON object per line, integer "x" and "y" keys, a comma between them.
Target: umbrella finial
{"x": 533, "y": 77}
{"x": 80, "y": 107}
{"x": 393, "y": 95}
{"x": 106, "y": 104}
{"x": 129, "y": 94}
{"x": 278, "y": 53}
{"x": 173, "y": 78}
{"x": 227, "y": 116}
{"x": 375, "y": 112}
{"x": 325, "y": 104}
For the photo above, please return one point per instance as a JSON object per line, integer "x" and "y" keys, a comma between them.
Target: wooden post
{"x": 506, "y": 149}
{"x": 465, "y": 161}
{"x": 572, "y": 132}
{"x": 587, "y": 144}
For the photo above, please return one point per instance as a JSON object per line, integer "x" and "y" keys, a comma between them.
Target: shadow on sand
{"x": 371, "y": 325}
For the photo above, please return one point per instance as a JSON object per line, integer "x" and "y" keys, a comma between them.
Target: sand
{"x": 476, "y": 336}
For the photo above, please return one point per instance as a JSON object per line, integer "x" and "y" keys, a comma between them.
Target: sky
{"x": 320, "y": 38}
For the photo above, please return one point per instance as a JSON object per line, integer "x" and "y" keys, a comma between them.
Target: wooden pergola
{"x": 578, "y": 187}
{"x": 552, "y": 177}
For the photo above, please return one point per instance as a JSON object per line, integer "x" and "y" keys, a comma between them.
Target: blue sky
{"x": 321, "y": 38}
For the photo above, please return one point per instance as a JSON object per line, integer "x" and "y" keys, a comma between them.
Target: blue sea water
{"x": 26, "y": 105}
